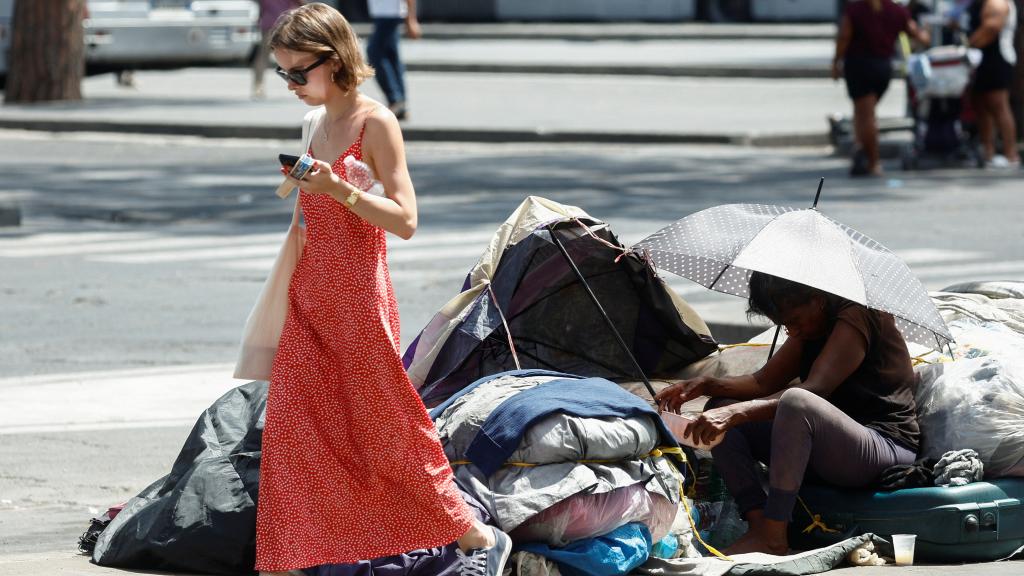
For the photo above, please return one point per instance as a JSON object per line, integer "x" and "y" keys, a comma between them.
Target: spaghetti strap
{"x": 366, "y": 119}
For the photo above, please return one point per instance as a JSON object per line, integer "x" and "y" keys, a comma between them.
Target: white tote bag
{"x": 266, "y": 320}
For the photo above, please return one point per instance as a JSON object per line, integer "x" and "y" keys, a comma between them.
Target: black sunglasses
{"x": 299, "y": 76}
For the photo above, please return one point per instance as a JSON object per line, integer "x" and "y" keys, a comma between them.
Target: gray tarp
{"x": 811, "y": 562}
{"x": 514, "y": 494}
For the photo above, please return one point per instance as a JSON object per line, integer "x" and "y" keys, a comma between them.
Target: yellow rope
{"x": 656, "y": 453}
{"x": 696, "y": 532}
{"x": 816, "y": 521}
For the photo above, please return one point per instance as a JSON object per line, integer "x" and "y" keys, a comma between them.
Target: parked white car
{"x": 131, "y": 34}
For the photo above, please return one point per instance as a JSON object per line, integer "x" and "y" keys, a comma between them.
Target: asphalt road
{"x": 142, "y": 253}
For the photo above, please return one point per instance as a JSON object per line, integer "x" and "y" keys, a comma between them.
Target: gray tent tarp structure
{"x": 523, "y": 281}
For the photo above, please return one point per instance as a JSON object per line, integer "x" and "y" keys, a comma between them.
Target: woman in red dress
{"x": 352, "y": 468}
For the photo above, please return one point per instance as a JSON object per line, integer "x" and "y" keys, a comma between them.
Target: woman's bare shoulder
{"x": 382, "y": 129}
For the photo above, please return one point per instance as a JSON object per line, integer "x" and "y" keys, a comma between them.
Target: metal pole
{"x": 593, "y": 298}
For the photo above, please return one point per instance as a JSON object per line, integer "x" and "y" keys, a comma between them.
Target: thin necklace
{"x": 325, "y": 127}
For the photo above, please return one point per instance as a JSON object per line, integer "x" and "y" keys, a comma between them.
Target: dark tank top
{"x": 880, "y": 392}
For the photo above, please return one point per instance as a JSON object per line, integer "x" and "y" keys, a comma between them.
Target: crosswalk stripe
{"x": 51, "y": 238}
{"x": 960, "y": 270}
{"x": 174, "y": 396}
{"x": 133, "y": 245}
{"x": 934, "y": 267}
{"x": 187, "y": 255}
{"x": 914, "y": 256}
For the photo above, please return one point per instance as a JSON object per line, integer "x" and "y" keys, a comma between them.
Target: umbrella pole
{"x": 818, "y": 194}
{"x": 775, "y": 339}
{"x": 593, "y": 298}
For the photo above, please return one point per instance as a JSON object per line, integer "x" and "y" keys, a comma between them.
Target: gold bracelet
{"x": 352, "y": 198}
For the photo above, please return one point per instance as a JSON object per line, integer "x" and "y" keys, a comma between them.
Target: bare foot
{"x": 742, "y": 542}
{"x": 765, "y": 535}
{"x": 751, "y": 542}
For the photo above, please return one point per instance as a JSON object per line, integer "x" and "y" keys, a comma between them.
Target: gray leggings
{"x": 808, "y": 432}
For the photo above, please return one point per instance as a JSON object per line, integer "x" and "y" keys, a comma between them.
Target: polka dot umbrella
{"x": 719, "y": 247}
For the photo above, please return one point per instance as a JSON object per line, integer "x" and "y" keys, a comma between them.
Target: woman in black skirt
{"x": 865, "y": 46}
{"x": 992, "y": 27}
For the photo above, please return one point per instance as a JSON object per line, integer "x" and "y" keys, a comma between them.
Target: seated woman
{"x": 850, "y": 415}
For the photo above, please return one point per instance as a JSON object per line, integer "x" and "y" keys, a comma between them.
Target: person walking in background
{"x": 382, "y": 48}
{"x": 352, "y": 468}
{"x": 270, "y": 11}
{"x": 865, "y": 47}
{"x": 992, "y": 25}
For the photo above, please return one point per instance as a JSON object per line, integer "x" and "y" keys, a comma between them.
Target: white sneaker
{"x": 1000, "y": 162}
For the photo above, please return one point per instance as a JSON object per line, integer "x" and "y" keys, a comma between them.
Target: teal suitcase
{"x": 982, "y": 521}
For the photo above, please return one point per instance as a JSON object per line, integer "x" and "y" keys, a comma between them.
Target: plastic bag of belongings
{"x": 522, "y": 306}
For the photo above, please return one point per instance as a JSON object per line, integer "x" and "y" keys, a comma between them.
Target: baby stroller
{"x": 937, "y": 82}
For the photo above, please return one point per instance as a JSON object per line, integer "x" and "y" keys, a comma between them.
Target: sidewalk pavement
{"x": 473, "y": 108}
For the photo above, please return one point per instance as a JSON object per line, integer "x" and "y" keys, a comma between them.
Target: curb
{"x": 598, "y": 32}
{"x": 425, "y": 134}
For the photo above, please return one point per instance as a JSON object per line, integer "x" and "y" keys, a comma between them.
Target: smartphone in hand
{"x": 297, "y": 167}
{"x": 288, "y": 160}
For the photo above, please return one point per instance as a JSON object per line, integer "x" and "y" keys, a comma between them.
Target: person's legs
{"x": 380, "y": 50}
{"x": 997, "y": 104}
{"x": 736, "y": 460}
{"x": 810, "y": 432}
{"x": 983, "y": 120}
{"x": 259, "y": 66}
{"x": 865, "y": 128}
{"x": 394, "y": 56}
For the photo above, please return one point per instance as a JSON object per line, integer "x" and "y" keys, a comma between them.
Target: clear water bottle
{"x": 360, "y": 175}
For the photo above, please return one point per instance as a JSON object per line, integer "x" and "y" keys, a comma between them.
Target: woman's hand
{"x": 712, "y": 423}
{"x": 681, "y": 392}
{"x": 837, "y": 70}
{"x": 412, "y": 28}
{"x": 322, "y": 180}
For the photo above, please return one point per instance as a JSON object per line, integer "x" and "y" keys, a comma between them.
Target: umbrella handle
{"x": 771, "y": 350}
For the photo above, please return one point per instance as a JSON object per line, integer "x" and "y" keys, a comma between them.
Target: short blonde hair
{"x": 321, "y": 30}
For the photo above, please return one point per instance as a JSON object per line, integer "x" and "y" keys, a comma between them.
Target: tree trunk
{"x": 47, "y": 55}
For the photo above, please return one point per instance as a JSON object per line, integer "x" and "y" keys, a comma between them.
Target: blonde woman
{"x": 352, "y": 468}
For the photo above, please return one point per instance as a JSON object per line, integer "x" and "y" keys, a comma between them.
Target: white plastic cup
{"x": 903, "y": 548}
